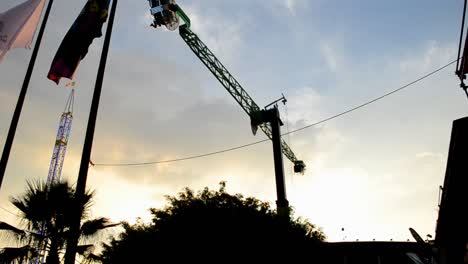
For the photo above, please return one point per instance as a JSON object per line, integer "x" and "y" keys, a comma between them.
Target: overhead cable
{"x": 288, "y": 133}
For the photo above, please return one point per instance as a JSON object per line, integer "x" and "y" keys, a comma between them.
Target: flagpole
{"x": 88, "y": 143}
{"x": 22, "y": 95}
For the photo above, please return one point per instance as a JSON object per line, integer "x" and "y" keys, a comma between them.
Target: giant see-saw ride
{"x": 167, "y": 13}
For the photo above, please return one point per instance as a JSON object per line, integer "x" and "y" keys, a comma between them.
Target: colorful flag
{"x": 76, "y": 42}
{"x": 18, "y": 25}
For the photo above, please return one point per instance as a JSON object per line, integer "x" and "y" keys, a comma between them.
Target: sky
{"x": 374, "y": 172}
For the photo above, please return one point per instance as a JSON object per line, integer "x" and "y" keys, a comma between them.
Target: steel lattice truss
{"x": 229, "y": 82}
{"x": 61, "y": 142}
{"x": 56, "y": 165}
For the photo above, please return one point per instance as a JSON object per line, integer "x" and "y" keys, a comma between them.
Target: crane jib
{"x": 229, "y": 83}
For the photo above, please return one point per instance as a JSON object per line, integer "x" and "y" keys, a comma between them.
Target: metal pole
{"x": 22, "y": 95}
{"x": 282, "y": 203}
{"x": 461, "y": 38}
{"x": 88, "y": 144}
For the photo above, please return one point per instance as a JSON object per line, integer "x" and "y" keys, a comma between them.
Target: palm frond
{"x": 85, "y": 249}
{"x": 32, "y": 204}
{"x": 92, "y": 258}
{"x": 42, "y": 203}
{"x": 8, "y": 227}
{"x": 92, "y": 227}
{"x": 87, "y": 203}
{"x": 86, "y": 252}
{"x": 10, "y": 232}
{"x": 8, "y": 255}
{"x": 52, "y": 208}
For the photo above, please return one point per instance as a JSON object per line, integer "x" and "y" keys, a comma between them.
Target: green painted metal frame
{"x": 226, "y": 79}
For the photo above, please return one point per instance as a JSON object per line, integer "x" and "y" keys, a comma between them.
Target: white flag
{"x": 18, "y": 25}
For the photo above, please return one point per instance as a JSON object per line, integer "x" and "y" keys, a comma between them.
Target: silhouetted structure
{"x": 374, "y": 253}
{"x": 452, "y": 230}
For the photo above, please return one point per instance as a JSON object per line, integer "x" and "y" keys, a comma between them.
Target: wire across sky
{"x": 290, "y": 132}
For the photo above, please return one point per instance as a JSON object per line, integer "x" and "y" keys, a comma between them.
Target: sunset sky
{"x": 374, "y": 172}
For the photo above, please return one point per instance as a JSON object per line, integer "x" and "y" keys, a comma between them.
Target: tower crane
{"x": 167, "y": 13}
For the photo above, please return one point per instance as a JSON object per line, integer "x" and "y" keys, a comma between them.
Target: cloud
{"x": 222, "y": 34}
{"x": 430, "y": 155}
{"x": 330, "y": 56}
{"x": 305, "y": 105}
{"x": 432, "y": 55}
{"x": 286, "y": 8}
{"x": 146, "y": 18}
{"x": 291, "y": 5}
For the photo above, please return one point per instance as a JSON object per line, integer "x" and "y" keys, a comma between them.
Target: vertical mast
{"x": 61, "y": 141}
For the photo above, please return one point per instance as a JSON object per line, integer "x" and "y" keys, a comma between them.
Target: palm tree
{"x": 45, "y": 214}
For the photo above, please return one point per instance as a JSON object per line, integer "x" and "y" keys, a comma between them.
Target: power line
{"x": 376, "y": 99}
{"x": 288, "y": 133}
{"x": 179, "y": 159}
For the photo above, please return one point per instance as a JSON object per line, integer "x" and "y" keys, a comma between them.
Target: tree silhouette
{"x": 48, "y": 208}
{"x": 198, "y": 226}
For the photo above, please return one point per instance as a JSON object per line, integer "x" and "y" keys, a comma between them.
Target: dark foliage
{"x": 201, "y": 226}
{"x": 45, "y": 212}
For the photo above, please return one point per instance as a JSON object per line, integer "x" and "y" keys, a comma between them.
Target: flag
{"x": 79, "y": 37}
{"x": 18, "y": 25}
